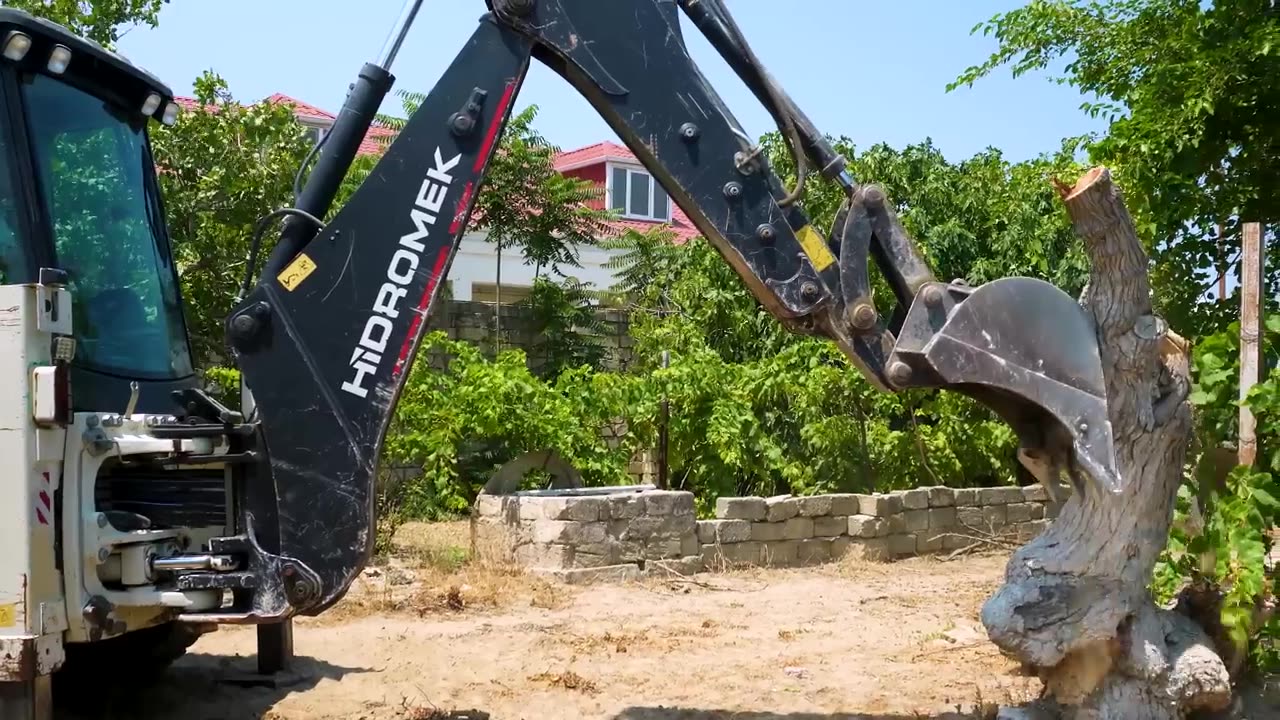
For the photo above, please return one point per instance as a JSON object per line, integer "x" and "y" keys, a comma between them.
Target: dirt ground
{"x": 436, "y": 635}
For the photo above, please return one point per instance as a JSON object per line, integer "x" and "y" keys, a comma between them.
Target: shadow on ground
{"x": 663, "y": 713}
{"x": 197, "y": 687}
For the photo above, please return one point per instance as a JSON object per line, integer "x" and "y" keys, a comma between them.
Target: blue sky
{"x": 871, "y": 70}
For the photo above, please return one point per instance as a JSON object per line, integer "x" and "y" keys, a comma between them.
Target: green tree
{"x": 224, "y": 165}
{"x": 100, "y": 20}
{"x": 1189, "y": 89}
{"x": 524, "y": 203}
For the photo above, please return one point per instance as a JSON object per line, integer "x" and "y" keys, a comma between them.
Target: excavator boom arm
{"x": 327, "y": 336}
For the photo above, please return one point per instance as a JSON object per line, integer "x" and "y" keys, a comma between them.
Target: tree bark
{"x": 1075, "y": 605}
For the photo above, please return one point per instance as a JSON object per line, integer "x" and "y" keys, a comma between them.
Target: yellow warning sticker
{"x": 8, "y": 615}
{"x": 815, "y": 247}
{"x": 298, "y": 270}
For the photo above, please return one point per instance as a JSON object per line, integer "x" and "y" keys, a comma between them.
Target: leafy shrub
{"x": 1221, "y": 534}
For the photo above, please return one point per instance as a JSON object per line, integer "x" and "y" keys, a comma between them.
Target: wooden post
{"x": 1251, "y": 269}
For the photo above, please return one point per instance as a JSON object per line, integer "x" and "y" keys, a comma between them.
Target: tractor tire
{"x": 120, "y": 666}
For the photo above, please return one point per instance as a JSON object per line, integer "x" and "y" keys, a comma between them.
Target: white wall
{"x": 476, "y": 262}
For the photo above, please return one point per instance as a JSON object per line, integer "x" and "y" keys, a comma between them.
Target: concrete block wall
{"x": 617, "y": 533}
{"x": 787, "y": 530}
{"x": 625, "y": 532}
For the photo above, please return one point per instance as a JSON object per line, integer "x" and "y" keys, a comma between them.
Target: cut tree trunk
{"x": 1075, "y": 604}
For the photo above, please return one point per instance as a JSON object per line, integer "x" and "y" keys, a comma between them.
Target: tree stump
{"x": 1075, "y": 605}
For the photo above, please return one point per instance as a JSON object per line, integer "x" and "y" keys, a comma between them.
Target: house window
{"x": 637, "y": 195}
{"x": 314, "y": 133}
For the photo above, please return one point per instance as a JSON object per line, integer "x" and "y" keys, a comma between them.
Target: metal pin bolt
{"x": 864, "y": 316}
{"x": 766, "y": 233}
{"x": 899, "y": 372}
{"x": 103, "y": 555}
{"x": 809, "y": 292}
{"x": 102, "y": 520}
{"x": 933, "y": 296}
{"x": 461, "y": 125}
{"x": 733, "y": 190}
{"x": 689, "y": 131}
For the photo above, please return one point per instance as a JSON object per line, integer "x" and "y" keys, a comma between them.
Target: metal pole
{"x": 398, "y": 33}
{"x": 1251, "y": 270}
{"x": 662, "y": 430}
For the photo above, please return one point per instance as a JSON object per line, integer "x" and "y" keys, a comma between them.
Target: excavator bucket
{"x": 1026, "y": 350}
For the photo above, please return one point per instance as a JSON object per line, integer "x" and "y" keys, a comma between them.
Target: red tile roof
{"x": 375, "y": 142}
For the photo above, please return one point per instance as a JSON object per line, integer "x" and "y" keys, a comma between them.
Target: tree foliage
{"x": 1189, "y": 89}
{"x": 99, "y": 20}
{"x": 223, "y": 166}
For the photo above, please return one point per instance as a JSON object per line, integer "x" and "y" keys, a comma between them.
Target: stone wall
{"x": 789, "y": 530}
{"x": 612, "y": 531}
{"x": 627, "y": 531}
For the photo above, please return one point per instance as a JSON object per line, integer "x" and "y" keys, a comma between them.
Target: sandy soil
{"x": 849, "y": 640}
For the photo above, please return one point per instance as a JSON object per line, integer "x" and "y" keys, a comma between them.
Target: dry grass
{"x": 436, "y": 571}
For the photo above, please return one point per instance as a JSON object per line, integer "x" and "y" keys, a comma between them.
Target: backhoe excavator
{"x": 144, "y": 512}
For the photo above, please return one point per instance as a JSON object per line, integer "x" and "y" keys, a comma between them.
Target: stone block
{"x": 844, "y": 504}
{"x": 840, "y": 546}
{"x": 689, "y": 547}
{"x": 1035, "y": 493}
{"x": 875, "y": 550}
{"x": 994, "y": 516}
{"x": 489, "y": 505}
{"x": 880, "y": 505}
{"x": 966, "y": 497}
{"x": 531, "y": 510}
{"x": 955, "y": 541}
{"x": 683, "y": 566}
{"x": 637, "y": 528}
{"x": 797, "y": 528}
{"x": 999, "y": 495}
{"x": 814, "y": 551}
{"x": 740, "y": 508}
{"x": 683, "y": 504}
{"x": 894, "y": 524}
{"x": 610, "y": 556}
{"x": 1019, "y": 513}
{"x": 766, "y": 531}
{"x": 929, "y": 541}
{"x": 706, "y": 531}
{"x": 901, "y": 545}
{"x": 830, "y": 526}
{"x": 678, "y": 526}
{"x": 568, "y": 532}
{"x": 941, "y": 496}
{"x": 581, "y": 509}
{"x": 623, "y": 507}
{"x": 780, "y": 554}
{"x": 942, "y": 518}
{"x": 814, "y": 505}
{"x": 917, "y": 520}
{"x": 716, "y": 557}
{"x": 917, "y": 499}
{"x": 664, "y": 548}
{"x": 1037, "y": 511}
{"x": 540, "y": 555}
{"x": 583, "y": 576}
{"x": 660, "y": 502}
{"x": 781, "y": 507}
{"x": 724, "y": 531}
{"x": 970, "y": 517}
{"x": 866, "y": 526}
